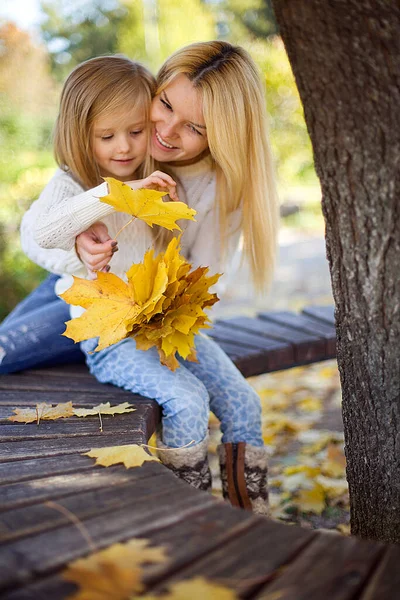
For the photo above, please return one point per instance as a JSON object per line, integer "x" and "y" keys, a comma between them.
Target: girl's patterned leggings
{"x": 187, "y": 395}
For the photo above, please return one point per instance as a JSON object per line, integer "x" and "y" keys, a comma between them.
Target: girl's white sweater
{"x": 64, "y": 210}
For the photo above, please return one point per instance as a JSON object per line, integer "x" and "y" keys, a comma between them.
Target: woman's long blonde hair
{"x": 234, "y": 111}
{"x": 99, "y": 86}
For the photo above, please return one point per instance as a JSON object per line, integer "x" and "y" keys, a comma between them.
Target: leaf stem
{"x": 101, "y": 422}
{"x": 70, "y": 515}
{"x": 122, "y": 228}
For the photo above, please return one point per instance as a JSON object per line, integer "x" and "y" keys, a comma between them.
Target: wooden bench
{"x": 44, "y": 479}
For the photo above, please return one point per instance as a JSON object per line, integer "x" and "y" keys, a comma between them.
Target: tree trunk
{"x": 345, "y": 55}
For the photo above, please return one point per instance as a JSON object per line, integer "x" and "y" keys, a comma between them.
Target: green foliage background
{"x": 148, "y": 31}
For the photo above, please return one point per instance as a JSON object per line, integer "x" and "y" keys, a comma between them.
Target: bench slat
{"x": 41, "y": 554}
{"x": 306, "y": 347}
{"x": 306, "y": 324}
{"x": 331, "y": 567}
{"x": 326, "y": 314}
{"x": 37, "y": 490}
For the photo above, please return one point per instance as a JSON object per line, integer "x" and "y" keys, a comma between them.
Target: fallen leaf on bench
{"x": 146, "y": 205}
{"x": 42, "y": 411}
{"x": 197, "y": 588}
{"x": 130, "y": 455}
{"x": 114, "y": 573}
{"x": 104, "y": 409}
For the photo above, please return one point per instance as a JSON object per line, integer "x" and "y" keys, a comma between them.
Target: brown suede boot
{"x": 244, "y": 470}
{"x": 189, "y": 464}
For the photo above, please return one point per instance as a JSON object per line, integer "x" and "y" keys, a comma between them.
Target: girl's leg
{"x": 33, "y": 339}
{"x": 232, "y": 399}
{"x": 242, "y": 456}
{"x": 42, "y": 295}
{"x": 182, "y": 397}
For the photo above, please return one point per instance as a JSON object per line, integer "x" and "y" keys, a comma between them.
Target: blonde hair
{"x": 235, "y": 116}
{"x": 99, "y": 86}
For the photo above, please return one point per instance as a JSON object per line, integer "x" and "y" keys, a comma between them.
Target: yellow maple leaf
{"x": 42, "y": 411}
{"x": 146, "y": 205}
{"x": 197, "y": 588}
{"x": 311, "y": 500}
{"x": 111, "y": 309}
{"x": 105, "y": 409}
{"x": 161, "y": 305}
{"x": 113, "y": 573}
{"x": 130, "y": 455}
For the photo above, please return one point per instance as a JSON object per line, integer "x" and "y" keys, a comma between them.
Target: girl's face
{"x": 119, "y": 143}
{"x": 179, "y": 133}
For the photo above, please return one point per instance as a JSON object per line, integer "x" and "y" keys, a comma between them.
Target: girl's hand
{"x": 95, "y": 248}
{"x": 156, "y": 181}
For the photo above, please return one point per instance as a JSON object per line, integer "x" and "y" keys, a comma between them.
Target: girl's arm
{"x": 54, "y": 260}
{"x": 62, "y": 214}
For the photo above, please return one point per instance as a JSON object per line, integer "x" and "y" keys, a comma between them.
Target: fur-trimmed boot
{"x": 189, "y": 464}
{"x": 244, "y": 470}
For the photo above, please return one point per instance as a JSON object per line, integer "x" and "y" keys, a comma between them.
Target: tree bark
{"x": 345, "y": 56}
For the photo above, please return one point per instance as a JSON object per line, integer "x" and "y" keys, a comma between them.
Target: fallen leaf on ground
{"x": 311, "y": 500}
{"x": 146, "y": 205}
{"x": 197, "y": 588}
{"x": 130, "y": 455}
{"x": 114, "y": 573}
{"x": 42, "y": 411}
{"x": 104, "y": 409}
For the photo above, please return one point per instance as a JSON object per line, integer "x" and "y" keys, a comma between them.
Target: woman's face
{"x": 179, "y": 132}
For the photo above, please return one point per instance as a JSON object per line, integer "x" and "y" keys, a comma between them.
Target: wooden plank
{"x": 251, "y": 361}
{"x": 35, "y": 468}
{"x": 11, "y": 451}
{"x": 74, "y": 369}
{"x": 306, "y": 324}
{"x": 104, "y": 490}
{"x": 306, "y": 347}
{"x": 25, "y": 559}
{"x": 273, "y": 355}
{"x": 331, "y": 567}
{"x": 19, "y": 398}
{"x": 23, "y": 494}
{"x": 186, "y": 541}
{"x": 76, "y": 426}
{"x": 244, "y": 560}
{"x": 385, "y": 581}
{"x": 325, "y": 314}
{"x": 248, "y": 339}
{"x": 40, "y": 383}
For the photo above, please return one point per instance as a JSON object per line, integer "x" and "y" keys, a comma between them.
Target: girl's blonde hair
{"x": 99, "y": 86}
{"x": 234, "y": 111}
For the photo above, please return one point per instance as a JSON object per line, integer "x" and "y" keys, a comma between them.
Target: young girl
{"x": 209, "y": 129}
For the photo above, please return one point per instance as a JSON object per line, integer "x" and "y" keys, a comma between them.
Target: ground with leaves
{"x": 302, "y": 426}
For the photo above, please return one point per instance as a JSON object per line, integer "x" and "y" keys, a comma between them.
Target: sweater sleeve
{"x": 62, "y": 214}
{"x": 53, "y": 260}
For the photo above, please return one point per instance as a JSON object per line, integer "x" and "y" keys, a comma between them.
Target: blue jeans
{"x": 30, "y": 336}
{"x": 186, "y": 395}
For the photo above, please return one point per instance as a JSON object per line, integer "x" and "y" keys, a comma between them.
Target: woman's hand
{"x": 95, "y": 248}
{"x": 156, "y": 181}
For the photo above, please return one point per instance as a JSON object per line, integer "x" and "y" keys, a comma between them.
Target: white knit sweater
{"x": 64, "y": 210}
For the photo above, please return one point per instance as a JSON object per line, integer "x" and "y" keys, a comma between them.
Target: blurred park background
{"x": 40, "y": 42}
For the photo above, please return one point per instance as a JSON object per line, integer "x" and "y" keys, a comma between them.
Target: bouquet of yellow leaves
{"x": 161, "y": 304}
